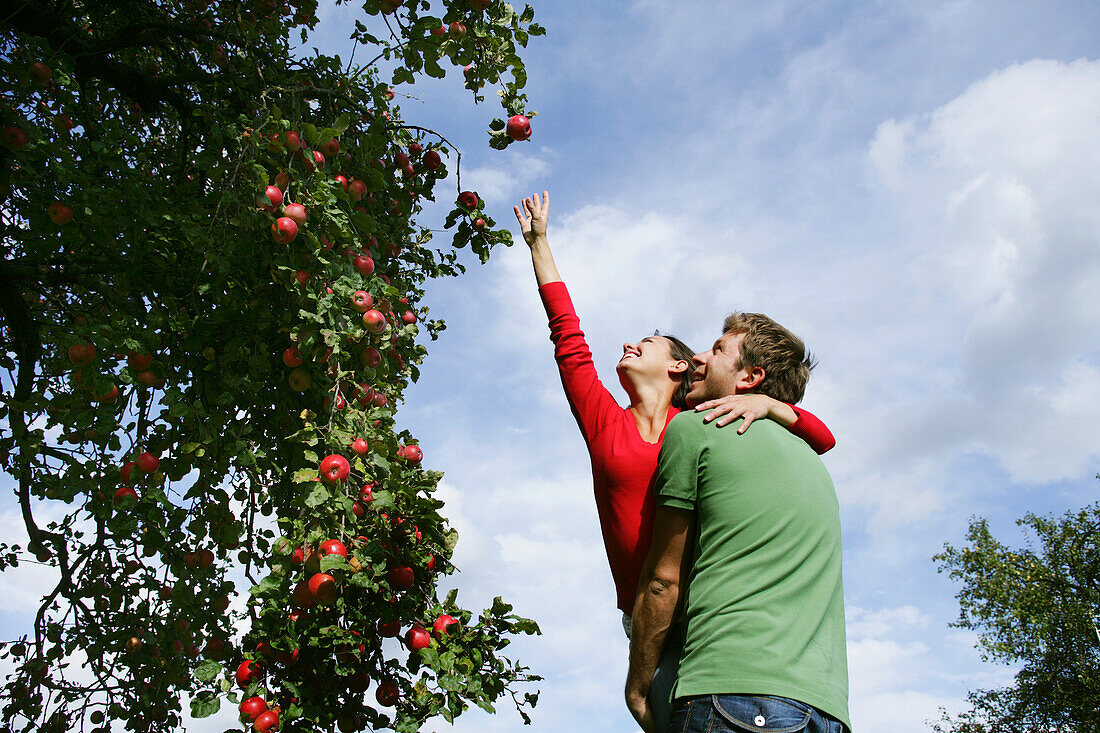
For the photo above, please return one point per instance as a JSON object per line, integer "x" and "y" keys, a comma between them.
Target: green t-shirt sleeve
{"x": 676, "y": 482}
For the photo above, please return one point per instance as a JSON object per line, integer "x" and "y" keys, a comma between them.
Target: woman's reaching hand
{"x": 532, "y": 215}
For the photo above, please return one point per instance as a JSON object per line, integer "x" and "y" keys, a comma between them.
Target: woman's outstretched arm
{"x": 591, "y": 403}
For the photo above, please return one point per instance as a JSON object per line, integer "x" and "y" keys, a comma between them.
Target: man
{"x": 755, "y": 518}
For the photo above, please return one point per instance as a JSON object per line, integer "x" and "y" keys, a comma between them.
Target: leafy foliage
{"x": 1038, "y": 607}
{"x": 199, "y": 356}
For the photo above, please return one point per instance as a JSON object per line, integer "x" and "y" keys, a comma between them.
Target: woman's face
{"x": 648, "y": 359}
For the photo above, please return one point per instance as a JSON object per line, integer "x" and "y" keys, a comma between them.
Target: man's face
{"x": 717, "y": 371}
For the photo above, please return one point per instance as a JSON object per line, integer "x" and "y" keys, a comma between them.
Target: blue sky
{"x": 910, "y": 186}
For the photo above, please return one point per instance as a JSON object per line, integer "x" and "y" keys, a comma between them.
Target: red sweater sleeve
{"x": 590, "y": 401}
{"x": 812, "y": 430}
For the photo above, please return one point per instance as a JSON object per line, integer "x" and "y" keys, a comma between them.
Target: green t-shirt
{"x": 764, "y": 612}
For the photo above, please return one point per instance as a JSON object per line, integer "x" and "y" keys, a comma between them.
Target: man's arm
{"x": 659, "y": 591}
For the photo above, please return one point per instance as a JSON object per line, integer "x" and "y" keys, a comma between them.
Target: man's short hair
{"x": 781, "y": 354}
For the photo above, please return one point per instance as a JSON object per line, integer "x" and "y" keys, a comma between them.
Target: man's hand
{"x": 749, "y": 406}
{"x": 639, "y": 708}
{"x": 533, "y": 217}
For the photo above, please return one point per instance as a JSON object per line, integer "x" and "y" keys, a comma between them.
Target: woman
{"x": 623, "y": 443}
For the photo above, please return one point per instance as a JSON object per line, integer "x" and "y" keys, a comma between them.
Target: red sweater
{"x": 623, "y": 463}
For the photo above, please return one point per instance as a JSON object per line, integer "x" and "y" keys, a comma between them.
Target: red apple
{"x": 266, "y": 721}
{"x": 334, "y": 468}
{"x": 60, "y": 213}
{"x": 444, "y": 625}
{"x": 291, "y": 357}
{"x": 387, "y": 693}
{"x": 282, "y": 180}
{"x": 125, "y": 497}
{"x": 366, "y": 494}
{"x": 13, "y": 138}
{"x": 380, "y": 399}
{"x": 457, "y": 31}
{"x": 357, "y": 189}
{"x": 333, "y": 547}
{"x": 252, "y": 707}
{"x": 284, "y": 230}
{"x": 214, "y": 648}
{"x": 389, "y": 628}
{"x": 331, "y": 148}
{"x": 413, "y": 454}
{"x": 322, "y": 589}
{"x": 291, "y": 140}
{"x": 301, "y": 595}
{"x": 360, "y": 446}
{"x": 271, "y": 198}
{"x": 364, "y": 264}
{"x": 139, "y": 362}
{"x": 302, "y": 276}
{"x": 318, "y": 159}
{"x": 408, "y": 317}
{"x": 359, "y": 682}
{"x": 247, "y": 672}
{"x": 147, "y": 462}
{"x": 374, "y": 321}
{"x": 297, "y": 212}
{"x": 518, "y": 128}
{"x": 418, "y": 638}
{"x": 440, "y": 31}
{"x": 40, "y": 72}
{"x": 362, "y": 301}
{"x": 109, "y": 395}
{"x": 82, "y": 354}
{"x": 343, "y": 181}
{"x": 358, "y": 509}
{"x": 468, "y": 199}
{"x": 400, "y": 577}
{"x": 371, "y": 357}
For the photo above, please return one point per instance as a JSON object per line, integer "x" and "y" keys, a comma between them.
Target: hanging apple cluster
{"x": 215, "y": 266}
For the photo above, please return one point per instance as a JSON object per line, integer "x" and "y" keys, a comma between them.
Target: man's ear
{"x": 750, "y": 379}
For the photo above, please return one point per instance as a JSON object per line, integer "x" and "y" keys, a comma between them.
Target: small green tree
{"x": 1037, "y": 607}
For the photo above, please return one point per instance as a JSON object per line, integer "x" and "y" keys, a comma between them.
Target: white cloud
{"x": 1001, "y": 184}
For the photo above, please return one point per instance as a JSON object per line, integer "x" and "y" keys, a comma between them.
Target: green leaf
{"x": 318, "y": 496}
{"x": 333, "y": 562}
{"x": 208, "y": 671}
{"x": 204, "y": 704}
{"x": 305, "y": 475}
{"x": 269, "y": 584}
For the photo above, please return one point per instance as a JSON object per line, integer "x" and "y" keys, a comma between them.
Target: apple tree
{"x": 214, "y": 250}
{"x": 1038, "y": 608}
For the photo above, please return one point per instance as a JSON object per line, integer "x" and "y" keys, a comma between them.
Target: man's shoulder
{"x": 687, "y": 423}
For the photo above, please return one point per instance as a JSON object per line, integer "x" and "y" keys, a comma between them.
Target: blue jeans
{"x": 741, "y": 713}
